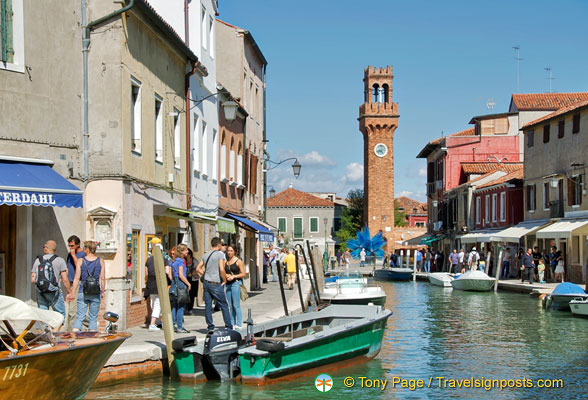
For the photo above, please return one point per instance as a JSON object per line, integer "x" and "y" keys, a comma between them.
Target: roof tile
{"x": 559, "y": 112}
{"x": 546, "y": 101}
{"x": 485, "y": 167}
{"x": 295, "y": 198}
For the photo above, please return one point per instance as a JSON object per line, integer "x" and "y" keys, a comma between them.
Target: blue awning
{"x": 265, "y": 235}
{"x": 32, "y": 184}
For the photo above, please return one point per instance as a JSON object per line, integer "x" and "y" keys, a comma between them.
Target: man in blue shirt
{"x": 75, "y": 252}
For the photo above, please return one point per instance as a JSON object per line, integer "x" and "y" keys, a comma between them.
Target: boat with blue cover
{"x": 564, "y": 293}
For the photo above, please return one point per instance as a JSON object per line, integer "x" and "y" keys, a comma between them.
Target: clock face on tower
{"x": 380, "y": 150}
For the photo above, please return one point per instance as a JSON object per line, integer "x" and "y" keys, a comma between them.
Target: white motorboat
{"x": 579, "y": 306}
{"x": 475, "y": 281}
{"x": 440, "y": 278}
{"x": 352, "y": 288}
{"x": 564, "y": 293}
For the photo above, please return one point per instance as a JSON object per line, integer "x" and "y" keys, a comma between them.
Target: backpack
{"x": 46, "y": 280}
{"x": 91, "y": 285}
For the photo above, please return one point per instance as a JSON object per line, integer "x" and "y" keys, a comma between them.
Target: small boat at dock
{"x": 286, "y": 347}
{"x": 393, "y": 274}
{"x": 440, "y": 279}
{"x": 352, "y": 288}
{"x": 41, "y": 364}
{"x": 579, "y": 306}
{"x": 564, "y": 293}
{"x": 476, "y": 281}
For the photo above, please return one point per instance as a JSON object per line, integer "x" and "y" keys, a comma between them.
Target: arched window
{"x": 386, "y": 93}
{"x": 375, "y": 92}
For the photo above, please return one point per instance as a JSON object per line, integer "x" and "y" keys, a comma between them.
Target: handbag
{"x": 182, "y": 294}
{"x": 244, "y": 294}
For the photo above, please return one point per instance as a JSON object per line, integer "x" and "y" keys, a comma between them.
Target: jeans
{"x": 427, "y": 266}
{"x": 53, "y": 300}
{"x": 217, "y": 292}
{"x": 85, "y": 302}
{"x": 274, "y": 274}
{"x": 233, "y": 292}
{"x": 177, "y": 308}
{"x": 505, "y": 270}
{"x": 530, "y": 274}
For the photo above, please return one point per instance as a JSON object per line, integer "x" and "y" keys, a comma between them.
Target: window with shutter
{"x": 314, "y": 225}
{"x": 560, "y": 128}
{"x": 282, "y": 224}
{"x": 546, "y": 134}
{"x": 297, "y": 228}
{"x": 576, "y": 123}
{"x": 530, "y": 138}
{"x": 247, "y": 168}
{"x": 254, "y": 166}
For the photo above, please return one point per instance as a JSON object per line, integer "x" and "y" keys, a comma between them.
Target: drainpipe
{"x": 188, "y": 145}
{"x": 86, "y": 30}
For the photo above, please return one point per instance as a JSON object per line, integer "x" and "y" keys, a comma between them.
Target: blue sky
{"x": 449, "y": 59}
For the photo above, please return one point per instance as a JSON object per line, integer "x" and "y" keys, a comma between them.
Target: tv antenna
{"x": 550, "y": 77}
{"x": 517, "y": 48}
{"x": 490, "y": 104}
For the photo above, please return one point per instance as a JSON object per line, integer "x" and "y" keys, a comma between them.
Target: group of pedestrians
{"x": 81, "y": 277}
{"x": 534, "y": 262}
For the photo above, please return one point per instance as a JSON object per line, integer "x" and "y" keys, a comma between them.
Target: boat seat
{"x": 284, "y": 337}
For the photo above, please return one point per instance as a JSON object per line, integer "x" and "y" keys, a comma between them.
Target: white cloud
{"x": 353, "y": 173}
{"x": 405, "y": 193}
{"x": 315, "y": 159}
{"x": 423, "y": 172}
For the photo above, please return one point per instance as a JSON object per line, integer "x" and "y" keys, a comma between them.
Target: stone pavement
{"x": 265, "y": 304}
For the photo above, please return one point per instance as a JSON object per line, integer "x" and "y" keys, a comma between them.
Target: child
{"x": 541, "y": 270}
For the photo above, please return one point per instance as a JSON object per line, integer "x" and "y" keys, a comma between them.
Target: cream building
{"x": 555, "y": 176}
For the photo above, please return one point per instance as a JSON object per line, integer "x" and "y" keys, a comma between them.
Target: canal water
{"x": 437, "y": 338}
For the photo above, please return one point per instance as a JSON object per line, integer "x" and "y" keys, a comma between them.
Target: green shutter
{"x": 282, "y": 225}
{"x": 297, "y": 228}
{"x": 6, "y": 30}
{"x": 314, "y": 224}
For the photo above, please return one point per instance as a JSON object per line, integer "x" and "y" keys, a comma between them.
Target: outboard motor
{"x": 220, "y": 356}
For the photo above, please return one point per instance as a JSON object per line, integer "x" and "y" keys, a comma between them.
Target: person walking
{"x": 454, "y": 260}
{"x": 179, "y": 281}
{"x": 537, "y": 255}
{"x": 47, "y": 274}
{"x": 151, "y": 288}
{"x": 428, "y": 257}
{"x": 75, "y": 252}
{"x": 506, "y": 260}
{"x": 460, "y": 260}
{"x": 214, "y": 277}
{"x": 235, "y": 271}
{"x": 89, "y": 285}
{"x": 473, "y": 259}
{"x": 194, "y": 279}
{"x": 554, "y": 258}
{"x": 290, "y": 261}
{"x": 528, "y": 266}
{"x": 362, "y": 258}
{"x": 273, "y": 258}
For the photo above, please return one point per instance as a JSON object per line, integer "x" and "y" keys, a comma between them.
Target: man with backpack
{"x": 48, "y": 272}
{"x": 473, "y": 259}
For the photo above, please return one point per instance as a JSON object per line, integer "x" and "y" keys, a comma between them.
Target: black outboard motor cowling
{"x": 221, "y": 348}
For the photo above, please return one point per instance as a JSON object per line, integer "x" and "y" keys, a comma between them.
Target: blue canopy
{"x": 567, "y": 288}
{"x": 265, "y": 235}
{"x": 33, "y": 184}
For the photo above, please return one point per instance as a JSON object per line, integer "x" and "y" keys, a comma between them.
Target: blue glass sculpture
{"x": 371, "y": 245}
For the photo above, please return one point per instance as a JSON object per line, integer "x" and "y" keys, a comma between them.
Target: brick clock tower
{"x": 378, "y": 119}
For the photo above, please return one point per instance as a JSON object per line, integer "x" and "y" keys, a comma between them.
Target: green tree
{"x": 399, "y": 216}
{"x": 352, "y": 218}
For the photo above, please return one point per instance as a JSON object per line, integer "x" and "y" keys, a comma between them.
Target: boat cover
{"x": 12, "y": 309}
{"x": 567, "y": 288}
{"x": 476, "y": 274}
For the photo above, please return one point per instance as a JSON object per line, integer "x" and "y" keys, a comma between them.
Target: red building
{"x": 499, "y": 202}
{"x": 416, "y": 212}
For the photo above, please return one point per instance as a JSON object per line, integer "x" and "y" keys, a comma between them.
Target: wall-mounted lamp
{"x": 435, "y": 203}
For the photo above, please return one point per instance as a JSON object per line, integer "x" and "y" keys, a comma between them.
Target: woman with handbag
{"x": 179, "y": 290}
{"x": 235, "y": 271}
{"x": 89, "y": 284}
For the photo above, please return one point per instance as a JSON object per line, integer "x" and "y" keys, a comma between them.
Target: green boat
{"x": 286, "y": 347}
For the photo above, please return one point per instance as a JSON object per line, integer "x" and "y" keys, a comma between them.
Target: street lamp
{"x": 272, "y": 191}
{"x": 295, "y": 166}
